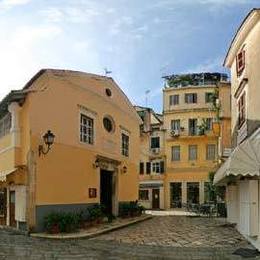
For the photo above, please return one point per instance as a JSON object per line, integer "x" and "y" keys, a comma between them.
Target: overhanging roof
{"x": 243, "y": 161}
{"x": 4, "y": 174}
{"x": 241, "y": 33}
{"x": 14, "y": 96}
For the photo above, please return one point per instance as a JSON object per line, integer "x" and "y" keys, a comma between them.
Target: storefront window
{"x": 143, "y": 194}
{"x": 193, "y": 192}
{"x": 176, "y": 194}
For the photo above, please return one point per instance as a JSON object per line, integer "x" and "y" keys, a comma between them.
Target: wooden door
{"x": 12, "y": 208}
{"x": 3, "y": 207}
{"x": 156, "y": 199}
{"x": 106, "y": 191}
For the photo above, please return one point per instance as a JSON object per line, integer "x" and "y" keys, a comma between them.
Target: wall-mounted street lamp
{"x": 48, "y": 139}
{"x": 96, "y": 164}
{"x": 124, "y": 170}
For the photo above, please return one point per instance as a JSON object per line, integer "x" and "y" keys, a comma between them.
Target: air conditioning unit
{"x": 175, "y": 133}
{"x": 227, "y": 152}
{"x": 155, "y": 150}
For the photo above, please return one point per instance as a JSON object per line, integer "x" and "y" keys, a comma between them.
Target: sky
{"x": 138, "y": 40}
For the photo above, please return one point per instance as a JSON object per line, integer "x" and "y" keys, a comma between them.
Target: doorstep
{"x": 89, "y": 234}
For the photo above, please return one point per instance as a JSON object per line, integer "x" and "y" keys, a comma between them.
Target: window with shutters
{"x": 209, "y": 123}
{"x": 193, "y": 126}
{"x": 211, "y": 152}
{"x": 156, "y": 167}
{"x": 193, "y": 152}
{"x": 176, "y": 156}
{"x": 242, "y": 110}
{"x": 240, "y": 62}
{"x": 175, "y": 124}
{"x": 174, "y": 100}
{"x": 190, "y": 98}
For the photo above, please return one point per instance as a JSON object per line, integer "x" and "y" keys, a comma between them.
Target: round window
{"x": 108, "y": 92}
{"x": 108, "y": 124}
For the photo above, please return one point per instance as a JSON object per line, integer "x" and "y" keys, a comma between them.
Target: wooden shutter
{"x": 148, "y": 168}
{"x": 186, "y": 98}
{"x": 161, "y": 166}
{"x": 141, "y": 169}
{"x": 195, "y": 98}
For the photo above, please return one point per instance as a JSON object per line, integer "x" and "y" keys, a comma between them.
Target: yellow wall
{"x": 250, "y": 42}
{"x": 64, "y": 175}
{"x": 186, "y": 170}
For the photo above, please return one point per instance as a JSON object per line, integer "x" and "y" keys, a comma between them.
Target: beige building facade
{"x": 152, "y": 159}
{"x": 180, "y": 147}
{"x": 240, "y": 173}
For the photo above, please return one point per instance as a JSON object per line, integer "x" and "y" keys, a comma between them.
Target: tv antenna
{"x": 107, "y": 72}
{"x": 146, "y": 96}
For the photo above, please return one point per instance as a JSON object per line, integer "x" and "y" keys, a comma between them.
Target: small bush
{"x": 62, "y": 222}
{"x": 130, "y": 209}
{"x": 96, "y": 212}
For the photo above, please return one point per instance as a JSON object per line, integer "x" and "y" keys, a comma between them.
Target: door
{"x": 12, "y": 208}
{"x": 106, "y": 191}
{"x": 3, "y": 207}
{"x": 156, "y": 199}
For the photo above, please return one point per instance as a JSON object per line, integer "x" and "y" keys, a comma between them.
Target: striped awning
{"x": 243, "y": 161}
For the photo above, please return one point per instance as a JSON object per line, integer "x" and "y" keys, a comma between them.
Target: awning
{"x": 243, "y": 161}
{"x": 3, "y": 174}
{"x": 151, "y": 184}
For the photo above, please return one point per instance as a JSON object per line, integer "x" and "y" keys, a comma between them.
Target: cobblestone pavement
{"x": 179, "y": 232}
{"x": 152, "y": 239}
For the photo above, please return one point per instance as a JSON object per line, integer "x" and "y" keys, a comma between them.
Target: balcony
{"x": 189, "y": 133}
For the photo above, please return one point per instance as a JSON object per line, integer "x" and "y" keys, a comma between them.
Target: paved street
{"x": 179, "y": 232}
{"x": 168, "y": 237}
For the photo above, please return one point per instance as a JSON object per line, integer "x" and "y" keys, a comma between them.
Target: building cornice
{"x": 246, "y": 26}
{"x": 185, "y": 110}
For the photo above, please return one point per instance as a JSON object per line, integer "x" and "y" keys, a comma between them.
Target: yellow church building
{"x": 68, "y": 140}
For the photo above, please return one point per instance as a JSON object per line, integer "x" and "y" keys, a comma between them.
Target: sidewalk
{"x": 95, "y": 230}
{"x": 175, "y": 212}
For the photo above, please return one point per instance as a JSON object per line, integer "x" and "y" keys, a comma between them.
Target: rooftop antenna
{"x": 107, "y": 72}
{"x": 146, "y": 96}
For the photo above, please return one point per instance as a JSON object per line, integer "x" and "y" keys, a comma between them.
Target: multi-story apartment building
{"x": 94, "y": 157}
{"x": 240, "y": 173}
{"x": 193, "y": 119}
{"x": 152, "y": 159}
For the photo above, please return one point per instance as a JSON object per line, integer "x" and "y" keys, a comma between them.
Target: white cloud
{"x": 7, "y": 4}
{"x": 53, "y": 14}
{"x": 170, "y": 3}
{"x": 211, "y": 65}
{"x": 72, "y": 13}
{"x": 23, "y": 54}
